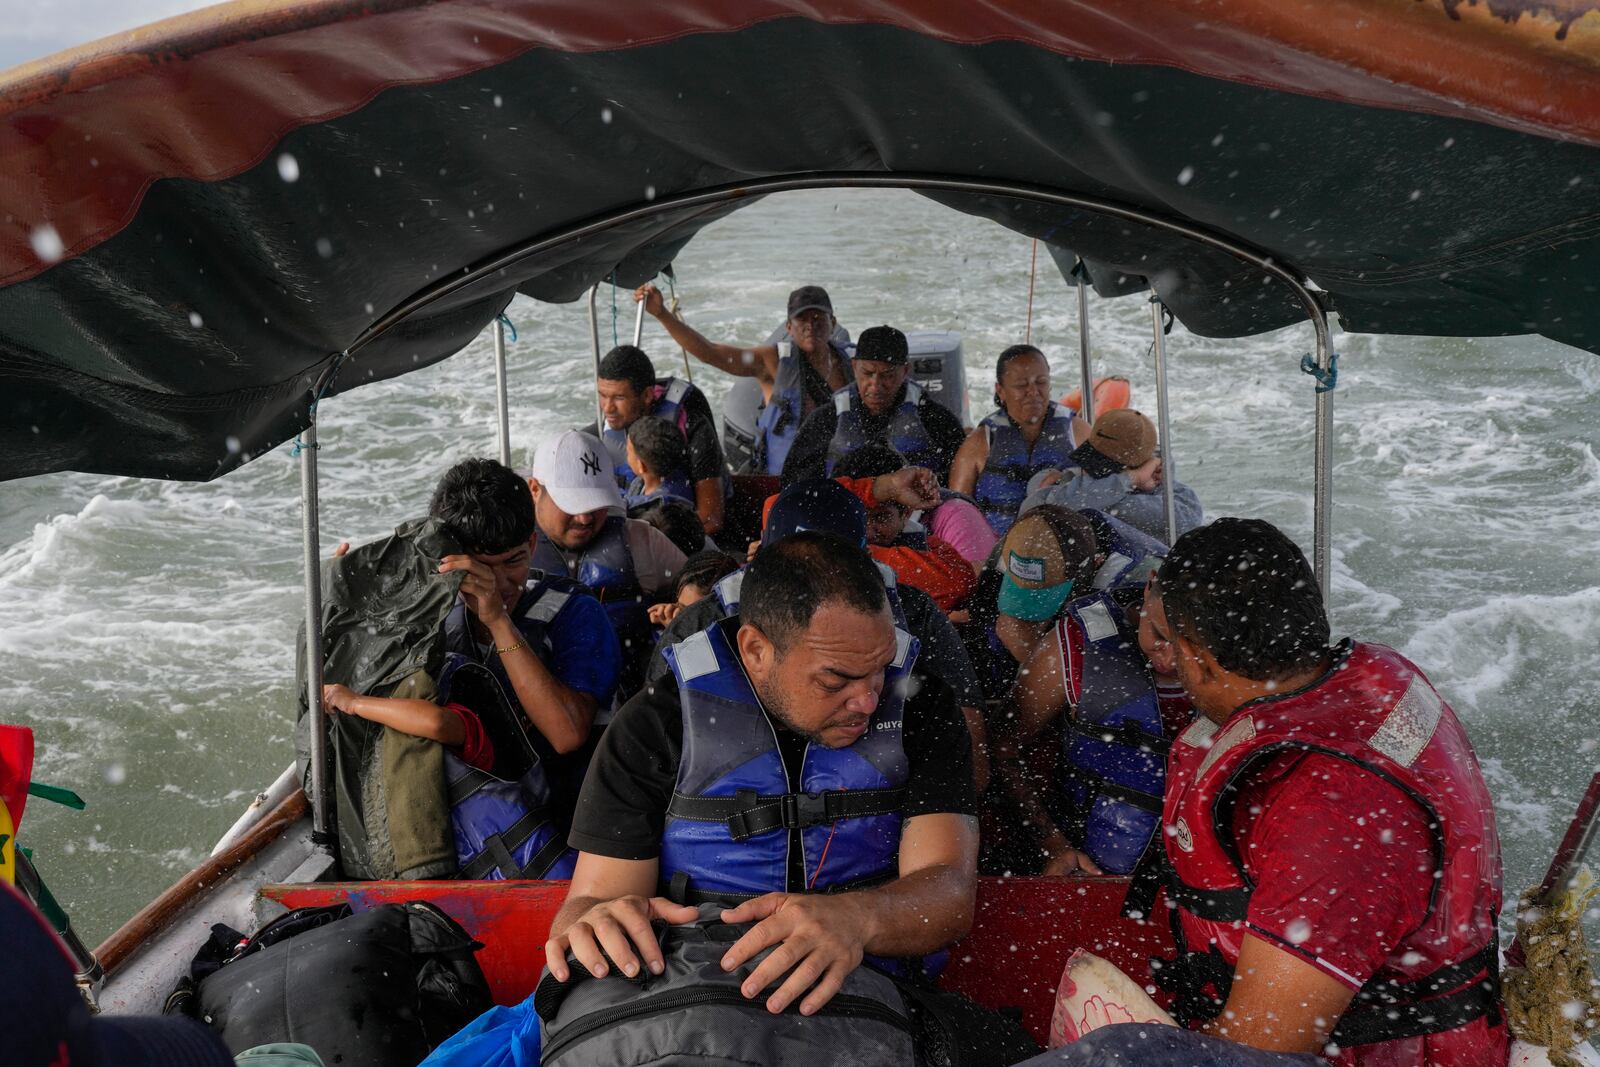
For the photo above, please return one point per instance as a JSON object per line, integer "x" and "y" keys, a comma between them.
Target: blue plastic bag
{"x": 500, "y": 1037}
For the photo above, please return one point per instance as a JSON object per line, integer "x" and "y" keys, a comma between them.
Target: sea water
{"x": 147, "y": 627}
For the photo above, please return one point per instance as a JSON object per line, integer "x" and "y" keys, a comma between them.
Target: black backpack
{"x": 378, "y": 988}
{"x": 693, "y": 1013}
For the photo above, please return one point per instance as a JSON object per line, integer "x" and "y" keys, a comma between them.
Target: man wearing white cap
{"x": 581, "y": 532}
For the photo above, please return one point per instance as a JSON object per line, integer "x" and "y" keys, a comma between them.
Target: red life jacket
{"x": 1376, "y": 711}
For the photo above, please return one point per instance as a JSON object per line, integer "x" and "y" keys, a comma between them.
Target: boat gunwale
{"x": 158, "y": 915}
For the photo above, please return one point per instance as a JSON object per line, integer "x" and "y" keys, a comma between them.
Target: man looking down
{"x": 881, "y": 404}
{"x": 827, "y": 506}
{"x": 798, "y": 696}
{"x": 1335, "y": 867}
{"x": 629, "y": 390}
{"x": 580, "y": 533}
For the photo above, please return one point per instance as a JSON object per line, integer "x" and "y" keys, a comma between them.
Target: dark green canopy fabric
{"x": 190, "y": 338}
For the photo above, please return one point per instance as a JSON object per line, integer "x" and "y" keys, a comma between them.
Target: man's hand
{"x": 819, "y": 939}
{"x": 1051, "y": 477}
{"x": 1069, "y": 861}
{"x": 1146, "y": 478}
{"x": 616, "y": 926}
{"x": 654, "y": 306}
{"x": 750, "y": 553}
{"x": 915, "y": 487}
{"x": 477, "y": 587}
{"x": 663, "y": 614}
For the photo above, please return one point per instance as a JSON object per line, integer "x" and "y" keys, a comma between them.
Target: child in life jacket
{"x": 659, "y": 457}
{"x": 453, "y": 725}
{"x": 695, "y": 582}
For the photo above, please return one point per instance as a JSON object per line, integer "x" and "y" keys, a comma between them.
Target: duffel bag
{"x": 378, "y": 988}
{"x": 693, "y": 1013}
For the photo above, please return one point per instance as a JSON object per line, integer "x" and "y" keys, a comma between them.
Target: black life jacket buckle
{"x": 801, "y": 810}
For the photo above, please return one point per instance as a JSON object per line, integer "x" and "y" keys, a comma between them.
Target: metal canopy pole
{"x": 1086, "y": 405}
{"x": 321, "y": 813}
{"x": 1168, "y": 471}
{"x": 1322, "y": 525}
{"x": 594, "y": 342}
{"x": 638, "y": 324}
{"x": 502, "y": 408}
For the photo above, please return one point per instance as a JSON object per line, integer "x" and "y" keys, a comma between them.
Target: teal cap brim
{"x": 1031, "y": 605}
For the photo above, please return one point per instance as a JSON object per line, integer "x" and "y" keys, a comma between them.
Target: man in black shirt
{"x": 831, "y": 508}
{"x": 629, "y": 389}
{"x": 824, "y": 679}
{"x": 882, "y": 404}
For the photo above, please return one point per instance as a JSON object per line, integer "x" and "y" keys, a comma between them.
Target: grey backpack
{"x": 693, "y": 1013}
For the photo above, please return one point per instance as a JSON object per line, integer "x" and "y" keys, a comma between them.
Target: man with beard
{"x": 796, "y": 374}
{"x": 581, "y": 533}
{"x": 810, "y": 693}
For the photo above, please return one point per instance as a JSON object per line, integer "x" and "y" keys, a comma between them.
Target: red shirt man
{"x": 1308, "y": 809}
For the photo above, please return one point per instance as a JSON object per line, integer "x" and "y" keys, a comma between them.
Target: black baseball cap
{"x": 882, "y": 344}
{"x": 807, "y": 297}
{"x": 46, "y": 1022}
{"x": 820, "y": 504}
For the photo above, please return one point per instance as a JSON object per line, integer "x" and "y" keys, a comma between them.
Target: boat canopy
{"x": 198, "y": 219}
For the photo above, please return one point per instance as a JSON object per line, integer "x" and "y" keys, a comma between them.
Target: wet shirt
{"x": 622, "y": 809}
{"x": 1342, "y": 863}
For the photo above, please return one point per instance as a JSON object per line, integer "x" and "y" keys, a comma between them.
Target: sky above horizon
{"x": 31, "y": 29}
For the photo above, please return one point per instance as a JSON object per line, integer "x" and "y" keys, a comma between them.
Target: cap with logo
{"x": 820, "y": 504}
{"x": 882, "y": 344}
{"x": 1120, "y": 440}
{"x": 573, "y": 468}
{"x": 1038, "y": 561}
{"x": 808, "y": 297}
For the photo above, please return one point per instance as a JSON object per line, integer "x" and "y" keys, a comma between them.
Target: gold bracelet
{"x": 510, "y": 648}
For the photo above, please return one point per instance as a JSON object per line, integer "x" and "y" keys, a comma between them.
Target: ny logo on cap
{"x": 591, "y": 463}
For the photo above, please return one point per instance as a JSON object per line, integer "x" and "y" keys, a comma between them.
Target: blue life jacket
{"x": 542, "y": 601}
{"x": 1113, "y": 746}
{"x": 1003, "y": 482}
{"x": 728, "y": 588}
{"x": 605, "y": 567}
{"x": 904, "y": 431}
{"x": 779, "y": 419}
{"x": 728, "y": 822}
{"x": 502, "y": 820}
{"x": 669, "y": 405}
{"x": 675, "y": 487}
{"x": 1131, "y": 554}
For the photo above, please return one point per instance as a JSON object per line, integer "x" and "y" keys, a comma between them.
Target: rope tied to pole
{"x": 505, "y": 320}
{"x": 615, "y": 337}
{"x": 1327, "y": 380}
{"x": 1033, "y": 267}
{"x": 321, "y": 390}
{"x": 673, "y": 306}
